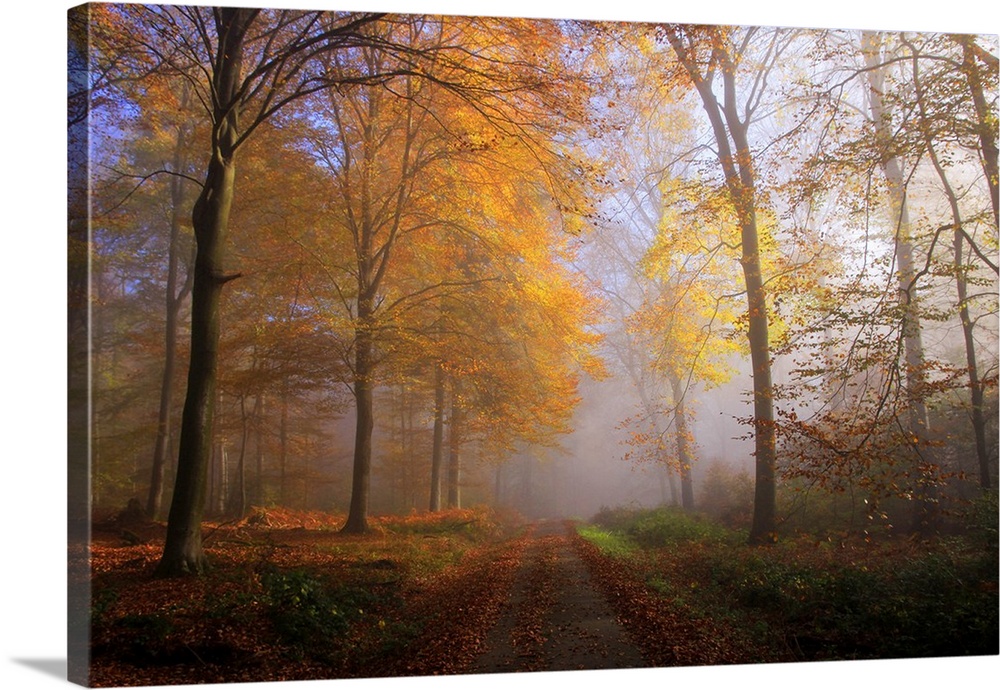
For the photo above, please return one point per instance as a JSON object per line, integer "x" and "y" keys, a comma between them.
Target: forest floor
{"x": 291, "y": 598}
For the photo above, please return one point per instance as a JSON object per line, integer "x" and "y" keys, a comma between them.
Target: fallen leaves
{"x": 431, "y": 583}
{"x": 419, "y": 595}
{"x": 668, "y": 634}
{"x": 459, "y": 609}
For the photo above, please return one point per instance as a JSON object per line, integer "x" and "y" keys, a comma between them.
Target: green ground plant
{"x": 822, "y": 600}
{"x": 611, "y": 543}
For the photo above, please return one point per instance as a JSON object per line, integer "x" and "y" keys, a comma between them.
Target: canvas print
{"x": 414, "y": 345}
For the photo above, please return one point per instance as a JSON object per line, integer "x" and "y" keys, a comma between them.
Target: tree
{"x": 138, "y": 251}
{"x": 932, "y": 132}
{"x": 630, "y": 216}
{"x": 437, "y": 449}
{"x": 209, "y": 46}
{"x": 175, "y": 293}
{"x": 892, "y": 168}
{"x": 477, "y": 112}
{"x": 878, "y": 205}
{"x": 705, "y": 53}
{"x": 665, "y": 277}
{"x": 975, "y": 62}
{"x": 687, "y": 320}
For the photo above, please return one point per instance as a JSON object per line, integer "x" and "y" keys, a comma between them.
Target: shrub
{"x": 307, "y": 612}
{"x": 982, "y": 519}
{"x": 925, "y": 606}
{"x": 143, "y": 638}
{"x": 613, "y": 544}
{"x": 616, "y": 518}
{"x": 657, "y": 527}
{"x": 820, "y": 599}
{"x": 101, "y": 604}
{"x": 727, "y": 495}
{"x": 667, "y": 526}
{"x": 147, "y": 630}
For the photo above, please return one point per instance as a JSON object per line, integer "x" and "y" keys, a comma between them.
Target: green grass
{"x": 610, "y": 543}
{"x": 664, "y": 527}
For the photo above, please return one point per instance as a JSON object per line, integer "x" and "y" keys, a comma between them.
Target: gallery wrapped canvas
{"x": 410, "y": 344}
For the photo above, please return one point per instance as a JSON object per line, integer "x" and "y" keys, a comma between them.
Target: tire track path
{"x": 555, "y": 620}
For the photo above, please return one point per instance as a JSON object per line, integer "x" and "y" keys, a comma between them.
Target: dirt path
{"x": 555, "y": 619}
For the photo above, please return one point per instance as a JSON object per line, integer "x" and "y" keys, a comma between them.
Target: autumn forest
{"x": 369, "y": 310}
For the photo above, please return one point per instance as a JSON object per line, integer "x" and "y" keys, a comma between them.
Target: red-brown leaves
{"x": 416, "y": 595}
{"x": 668, "y": 634}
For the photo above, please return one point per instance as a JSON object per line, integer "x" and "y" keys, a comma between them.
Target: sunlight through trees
{"x": 397, "y": 263}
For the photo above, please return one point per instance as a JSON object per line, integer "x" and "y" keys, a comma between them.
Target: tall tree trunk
{"x": 764, "y": 524}
{"x": 258, "y": 406}
{"x": 412, "y": 472}
{"x": 498, "y": 486}
{"x": 238, "y": 500}
{"x": 376, "y": 228}
{"x": 368, "y": 277}
{"x": 527, "y": 486}
{"x": 182, "y": 551}
{"x": 910, "y": 328}
{"x": 684, "y": 457}
{"x": 736, "y": 160}
{"x": 666, "y": 472}
{"x": 961, "y": 284}
{"x": 398, "y": 465}
{"x": 174, "y": 300}
{"x": 455, "y": 431}
{"x": 743, "y": 191}
{"x": 670, "y": 477}
{"x": 437, "y": 449}
{"x": 221, "y": 489}
{"x": 357, "y": 517}
{"x": 985, "y": 120}
{"x": 283, "y": 445}
{"x": 666, "y": 495}
{"x": 975, "y": 383}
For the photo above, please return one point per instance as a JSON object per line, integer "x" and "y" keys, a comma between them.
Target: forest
{"x": 388, "y": 332}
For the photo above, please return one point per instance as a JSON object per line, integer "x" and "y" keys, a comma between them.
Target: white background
{"x": 32, "y": 319}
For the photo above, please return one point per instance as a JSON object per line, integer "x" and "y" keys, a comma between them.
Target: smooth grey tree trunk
{"x": 684, "y": 457}
{"x": 437, "y": 448}
{"x": 364, "y": 368}
{"x": 174, "y": 301}
{"x": 913, "y": 348}
{"x": 455, "y": 430}
{"x": 183, "y": 552}
{"x": 961, "y": 283}
{"x": 736, "y": 159}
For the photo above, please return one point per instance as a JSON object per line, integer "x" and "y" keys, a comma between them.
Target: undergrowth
{"x": 280, "y": 601}
{"x": 611, "y": 543}
{"x": 663, "y": 527}
{"x": 818, "y": 599}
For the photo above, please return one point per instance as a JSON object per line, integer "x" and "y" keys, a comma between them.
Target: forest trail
{"x": 555, "y": 620}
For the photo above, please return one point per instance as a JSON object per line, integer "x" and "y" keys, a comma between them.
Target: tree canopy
{"x": 367, "y": 261}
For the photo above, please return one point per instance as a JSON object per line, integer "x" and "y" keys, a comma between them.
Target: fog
{"x": 559, "y": 313}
